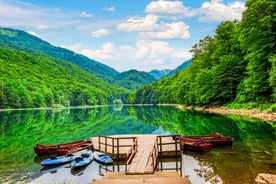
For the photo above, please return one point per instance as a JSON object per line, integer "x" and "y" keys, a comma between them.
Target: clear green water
{"x": 253, "y": 150}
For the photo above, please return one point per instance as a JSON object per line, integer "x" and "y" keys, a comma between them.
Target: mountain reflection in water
{"x": 253, "y": 149}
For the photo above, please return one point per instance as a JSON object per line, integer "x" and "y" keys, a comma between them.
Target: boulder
{"x": 264, "y": 178}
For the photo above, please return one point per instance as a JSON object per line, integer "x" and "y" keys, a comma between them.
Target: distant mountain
{"x": 34, "y": 79}
{"x": 158, "y": 74}
{"x": 24, "y": 39}
{"x": 133, "y": 79}
{"x": 184, "y": 65}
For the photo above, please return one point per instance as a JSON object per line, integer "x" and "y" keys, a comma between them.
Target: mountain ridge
{"x": 34, "y": 79}
{"x": 25, "y": 39}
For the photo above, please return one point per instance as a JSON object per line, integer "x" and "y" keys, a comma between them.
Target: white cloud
{"x": 149, "y": 28}
{"x": 33, "y": 33}
{"x": 105, "y": 53}
{"x": 100, "y": 33}
{"x": 75, "y": 47}
{"x": 30, "y": 16}
{"x": 126, "y": 48}
{"x": 110, "y": 9}
{"x": 144, "y": 55}
{"x": 169, "y": 9}
{"x": 86, "y": 15}
{"x": 170, "y": 31}
{"x": 42, "y": 26}
{"x": 216, "y": 11}
{"x": 160, "y": 54}
{"x": 152, "y": 49}
{"x": 139, "y": 24}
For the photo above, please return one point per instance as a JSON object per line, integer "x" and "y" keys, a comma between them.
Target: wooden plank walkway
{"x": 156, "y": 178}
{"x": 145, "y": 160}
{"x": 142, "y": 162}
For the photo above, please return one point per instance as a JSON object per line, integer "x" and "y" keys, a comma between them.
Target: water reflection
{"x": 253, "y": 150}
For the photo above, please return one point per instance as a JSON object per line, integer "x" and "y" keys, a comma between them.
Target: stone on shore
{"x": 264, "y": 178}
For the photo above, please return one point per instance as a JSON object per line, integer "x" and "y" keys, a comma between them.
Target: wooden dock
{"x": 141, "y": 153}
{"x": 156, "y": 178}
{"x": 145, "y": 159}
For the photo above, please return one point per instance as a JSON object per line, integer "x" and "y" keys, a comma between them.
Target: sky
{"x": 123, "y": 34}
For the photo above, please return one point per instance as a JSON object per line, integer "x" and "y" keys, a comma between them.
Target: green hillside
{"x": 235, "y": 67}
{"x": 183, "y": 66}
{"x": 39, "y": 80}
{"x": 133, "y": 79}
{"x": 158, "y": 74}
{"x": 24, "y": 39}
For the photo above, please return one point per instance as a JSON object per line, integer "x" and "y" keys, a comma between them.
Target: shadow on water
{"x": 252, "y": 152}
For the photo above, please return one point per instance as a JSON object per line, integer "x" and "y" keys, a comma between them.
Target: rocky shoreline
{"x": 267, "y": 116}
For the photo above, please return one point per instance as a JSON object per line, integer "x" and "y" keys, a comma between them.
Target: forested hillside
{"x": 133, "y": 79}
{"x": 236, "y": 66}
{"x": 183, "y": 66}
{"x": 39, "y": 80}
{"x": 24, "y": 39}
{"x": 158, "y": 74}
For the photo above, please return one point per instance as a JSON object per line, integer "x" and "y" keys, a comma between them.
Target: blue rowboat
{"x": 53, "y": 160}
{"x": 102, "y": 158}
{"x": 82, "y": 160}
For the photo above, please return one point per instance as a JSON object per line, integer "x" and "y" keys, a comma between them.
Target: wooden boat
{"x": 53, "y": 160}
{"x": 49, "y": 149}
{"x": 195, "y": 145}
{"x": 216, "y": 139}
{"x": 82, "y": 160}
{"x": 76, "y": 148}
{"x": 102, "y": 158}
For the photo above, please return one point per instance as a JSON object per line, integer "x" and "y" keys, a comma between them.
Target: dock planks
{"x": 143, "y": 162}
{"x": 157, "y": 178}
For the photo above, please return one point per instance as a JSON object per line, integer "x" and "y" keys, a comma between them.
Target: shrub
{"x": 273, "y": 107}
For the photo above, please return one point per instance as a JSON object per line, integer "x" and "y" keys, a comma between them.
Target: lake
{"x": 253, "y": 150}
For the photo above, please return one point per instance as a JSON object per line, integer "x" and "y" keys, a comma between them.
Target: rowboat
{"x": 53, "y": 160}
{"x": 195, "y": 145}
{"x": 216, "y": 139}
{"x": 49, "y": 149}
{"x": 82, "y": 160}
{"x": 102, "y": 158}
{"x": 76, "y": 148}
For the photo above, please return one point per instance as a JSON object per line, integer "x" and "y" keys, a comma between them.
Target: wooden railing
{"x": 176, "y": 142}
{"x": 113, "y": 145}
{"x": 170, "y": 164}
{"x": 132, "y": 151}
{"x": 154, "y": 155}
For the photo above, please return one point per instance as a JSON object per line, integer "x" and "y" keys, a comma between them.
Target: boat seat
{"x": 85, "y": 155}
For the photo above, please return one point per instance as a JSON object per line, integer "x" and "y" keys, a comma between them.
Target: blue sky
{"x": 123, "y": 34}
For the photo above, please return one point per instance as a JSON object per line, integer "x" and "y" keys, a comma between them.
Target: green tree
{"x": 258, "y": 39}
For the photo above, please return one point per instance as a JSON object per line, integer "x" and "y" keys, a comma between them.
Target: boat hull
{"x": 50, "y": 149}
{"x": 216, "y": 139}
{"x": 57, "y": 160}
{"x": 102, "y": 158}
{"x": 70, "y": 150}
{"x": 195, "y": 145}
{"x": 83, "y": 160}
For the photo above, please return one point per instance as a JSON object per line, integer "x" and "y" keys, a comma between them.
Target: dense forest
{"x": 21, "y": 38}
{"x": 133, "y": 79}
{"x": 39, "y": 80}
{"x": 235, "y": 67}
{"x": 33, "y": 73}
